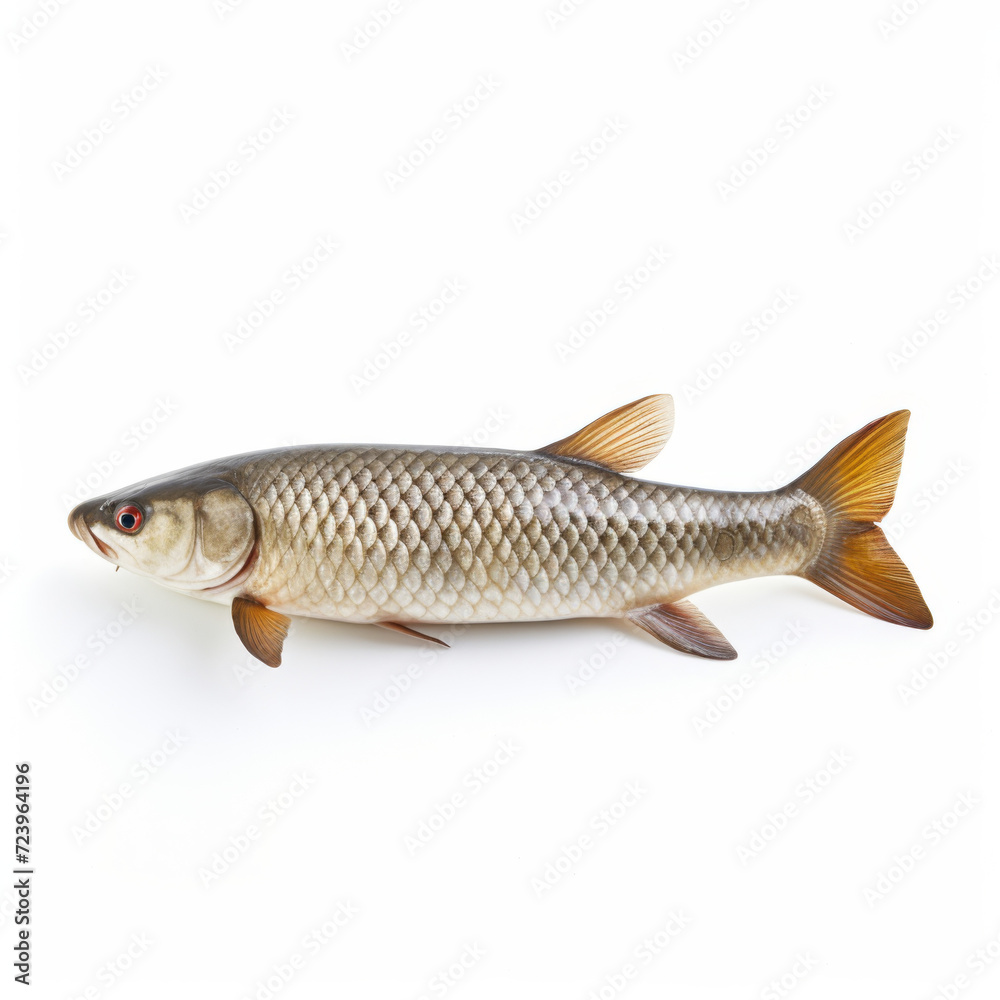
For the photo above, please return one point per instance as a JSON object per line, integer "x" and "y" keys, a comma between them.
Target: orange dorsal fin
{"x": 623, "y": 440}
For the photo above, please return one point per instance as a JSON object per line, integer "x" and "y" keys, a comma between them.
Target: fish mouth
{"x": 78, "y": 525}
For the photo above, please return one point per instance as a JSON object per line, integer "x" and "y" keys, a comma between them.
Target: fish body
{"x": 362, "y": 534}
{"x": 405, "y": 536}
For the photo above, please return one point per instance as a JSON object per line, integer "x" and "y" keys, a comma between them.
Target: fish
{"x": 410, "y": 537}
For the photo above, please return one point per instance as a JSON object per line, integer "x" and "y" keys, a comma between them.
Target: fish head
{"x": 192, "y": 533}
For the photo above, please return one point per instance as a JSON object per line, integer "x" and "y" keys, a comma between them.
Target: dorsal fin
{"x": 623, "y": 440}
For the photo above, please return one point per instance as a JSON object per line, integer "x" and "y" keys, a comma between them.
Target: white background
{"x": 490, "y": 365}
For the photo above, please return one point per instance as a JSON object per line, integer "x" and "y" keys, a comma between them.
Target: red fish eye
{"x": 128, "y": 518}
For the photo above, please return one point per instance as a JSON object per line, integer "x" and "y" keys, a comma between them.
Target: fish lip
{"x": 103, "y": 547}
{"x": 82, "y": 530}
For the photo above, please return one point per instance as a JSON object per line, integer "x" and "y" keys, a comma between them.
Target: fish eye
{"x": 128, "y": 518}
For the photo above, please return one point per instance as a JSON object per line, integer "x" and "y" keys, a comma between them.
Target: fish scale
{"x": 434, "y": 536}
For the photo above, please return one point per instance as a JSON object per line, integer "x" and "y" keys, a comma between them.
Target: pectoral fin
{"x": 260, "y": 629}
{"x": 623, "y": 440}
{"x": 406, "y": 630}
{"x": 684, "y": 627}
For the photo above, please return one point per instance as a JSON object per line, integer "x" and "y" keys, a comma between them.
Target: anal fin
{"x": 684, "y": 627}
{"x": 406, "y": 630}
{"x": 260, "y": 629}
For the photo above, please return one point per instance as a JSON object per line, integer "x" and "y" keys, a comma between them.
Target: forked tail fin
{"x": 856, "y": 483}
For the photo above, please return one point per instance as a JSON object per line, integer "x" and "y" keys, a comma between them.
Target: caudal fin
{"x": 856, "y": 483}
